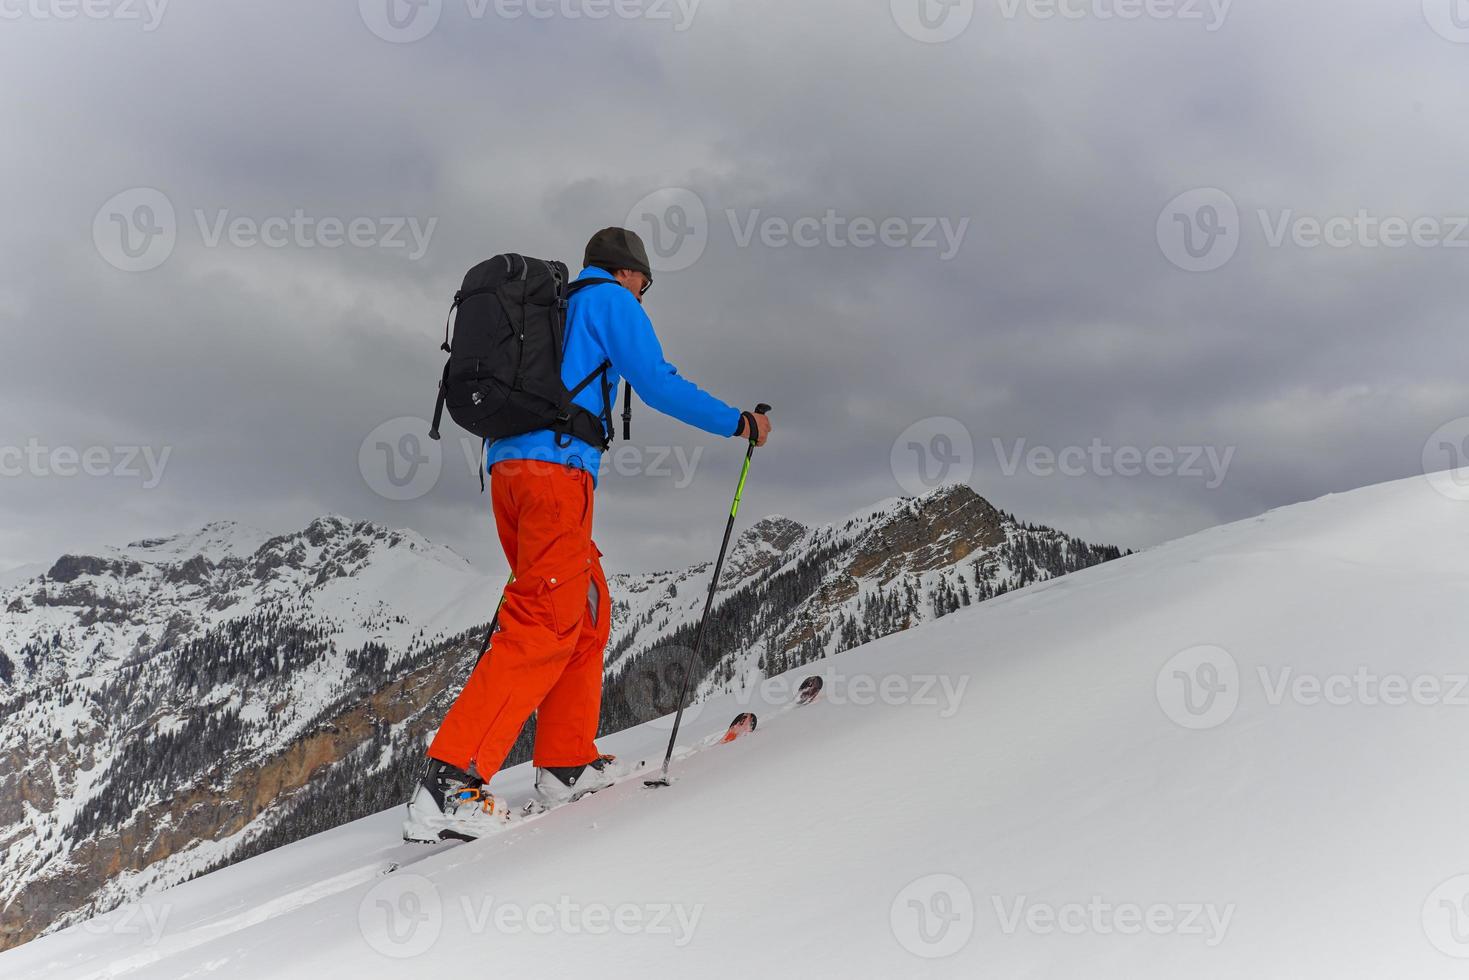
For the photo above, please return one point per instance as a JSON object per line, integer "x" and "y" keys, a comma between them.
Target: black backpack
{"x": 503, "y": 377}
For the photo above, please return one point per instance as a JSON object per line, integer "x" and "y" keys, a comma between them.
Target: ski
{"x": 743, "y": 724}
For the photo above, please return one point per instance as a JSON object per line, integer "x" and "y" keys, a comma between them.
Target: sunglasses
{"x": 647, "y": 285}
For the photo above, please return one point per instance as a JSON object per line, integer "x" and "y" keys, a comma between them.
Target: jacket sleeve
{"x": 633, "y": 348}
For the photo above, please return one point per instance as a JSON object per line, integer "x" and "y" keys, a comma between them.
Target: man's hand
{"x": 761, "y": 425}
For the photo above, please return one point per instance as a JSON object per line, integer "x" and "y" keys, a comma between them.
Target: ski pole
{"x": 662, "y": 778}
{"x": 484, "y": 647}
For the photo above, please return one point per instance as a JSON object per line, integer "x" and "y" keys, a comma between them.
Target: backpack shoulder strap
{"x": 627, "y": 385}
{"x": 599, "y": 372}
{"x": 572, "y": 288}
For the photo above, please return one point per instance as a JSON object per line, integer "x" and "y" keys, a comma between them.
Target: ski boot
{"x": 450, "y": 804}
{"x": 567, "y": 784}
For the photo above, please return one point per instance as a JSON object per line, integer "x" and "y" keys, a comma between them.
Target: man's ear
{"x": 624, "y": 278}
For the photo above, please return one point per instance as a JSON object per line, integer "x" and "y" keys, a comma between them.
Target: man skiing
{"x": 555, "y": 618}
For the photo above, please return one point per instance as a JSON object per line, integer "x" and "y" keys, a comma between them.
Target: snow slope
{"x": 1238, "y": 755}
{"x": 100, "y": 648}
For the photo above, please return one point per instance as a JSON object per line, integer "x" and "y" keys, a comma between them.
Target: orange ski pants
{"x": 546, "y": 656}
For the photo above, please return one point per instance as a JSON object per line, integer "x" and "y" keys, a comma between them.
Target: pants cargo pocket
{"x": 567, "y": 599}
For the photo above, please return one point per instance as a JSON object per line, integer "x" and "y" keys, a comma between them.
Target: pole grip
{"x": 762, "y": 409}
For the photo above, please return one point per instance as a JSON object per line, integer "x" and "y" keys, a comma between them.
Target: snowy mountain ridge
{"x": 177, "y": 703}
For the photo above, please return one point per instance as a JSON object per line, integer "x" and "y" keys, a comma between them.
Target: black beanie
{"x": 617, "y": 248}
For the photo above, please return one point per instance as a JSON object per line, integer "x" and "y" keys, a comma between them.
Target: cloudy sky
{"x": 1131, "y": 269}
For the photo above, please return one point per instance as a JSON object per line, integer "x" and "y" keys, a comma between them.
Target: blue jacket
{"x": 607, "y": 323}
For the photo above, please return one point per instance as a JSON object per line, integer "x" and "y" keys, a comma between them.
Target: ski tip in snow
{"x": 810, "y": 689}
{"x": 743, "y": 724}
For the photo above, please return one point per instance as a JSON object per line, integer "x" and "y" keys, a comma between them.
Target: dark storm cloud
{"x": 1060, "y": 322}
